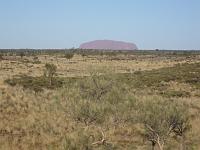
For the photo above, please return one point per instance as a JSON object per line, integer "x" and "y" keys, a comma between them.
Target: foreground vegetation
{"x": 106, "y": 107}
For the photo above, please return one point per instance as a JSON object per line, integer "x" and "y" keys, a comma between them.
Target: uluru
{"x": 108, "y": 45}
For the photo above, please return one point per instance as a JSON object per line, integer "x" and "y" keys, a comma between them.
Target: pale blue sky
{"x": 164, "y": 24}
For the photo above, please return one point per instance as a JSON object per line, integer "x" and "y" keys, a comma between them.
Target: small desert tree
{"x": 21, "y": 54}
{"x": 83, "y": 56}
{"x": 179, "y": 120}
{"x": 161, "y": 118}
{"x": 50, "y": 72}
{"x": 1, "y": 58}
{"x": 69, "y": 56}
{"x": 96, "y": 86}
{"x": 87, "y": 112}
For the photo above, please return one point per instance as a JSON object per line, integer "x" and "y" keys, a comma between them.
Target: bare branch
{"x": 102, "y": 141}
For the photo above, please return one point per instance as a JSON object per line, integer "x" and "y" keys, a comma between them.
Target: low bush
{"x": 69, "y": 56}
{"x": 172, "y": 93}
{"x": 88, "y": 112}
{"x": 35, "y": 83}
{"x": 182, "y": 73}
{"x": 50, "y": 72}
{"x": 1, "y": 56}
{"x": 163, "y": 118}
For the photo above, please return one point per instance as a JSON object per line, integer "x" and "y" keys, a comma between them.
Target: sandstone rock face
{"x": 108, "y": 45}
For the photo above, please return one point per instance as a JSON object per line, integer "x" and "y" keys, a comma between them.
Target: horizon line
{"x": 73, "y": 48}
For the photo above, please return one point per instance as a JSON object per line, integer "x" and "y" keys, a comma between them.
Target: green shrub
{"x": 69, "y": 56}
{"x": 156, "y": 79}
{"x": 172, "y": 93}
{"x": 50, "y": 72}
{"x": 35, "y": 83}
{"x": 1, "y": 56}
{"x": 96, "y": 86}
{"x": 161, "y": 118}
{"x": 22, "y": 54}
{"x": 87, "y": 112}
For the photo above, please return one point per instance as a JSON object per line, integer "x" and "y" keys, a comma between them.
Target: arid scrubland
{"x": 100, "y": 101}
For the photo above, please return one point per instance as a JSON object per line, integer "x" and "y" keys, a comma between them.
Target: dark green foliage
{"x": 69, "y": 56}
{"x": 21, "y": 54}
{"x": 35, "y": 83}
{"x": 172, "y": 93}
{"x": 1, "y": 56}
{"x": 83, "y": 55}
{"x": 156, "y": 79}
{"x": 38, "y": 83}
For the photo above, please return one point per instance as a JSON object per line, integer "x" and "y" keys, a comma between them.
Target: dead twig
{"x": 102, "y": 141}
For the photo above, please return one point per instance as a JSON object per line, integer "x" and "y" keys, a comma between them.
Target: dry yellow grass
{"x": 39, "y": 121}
